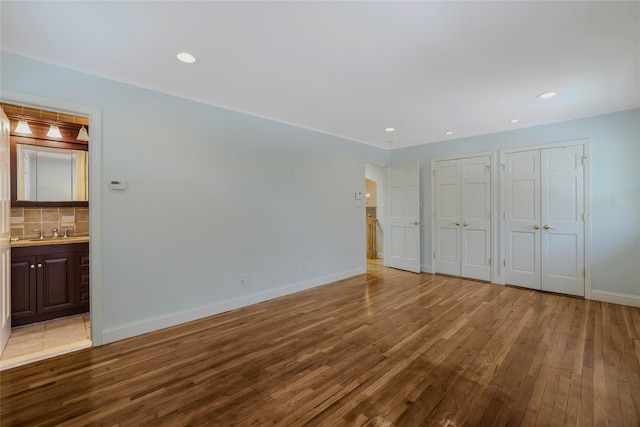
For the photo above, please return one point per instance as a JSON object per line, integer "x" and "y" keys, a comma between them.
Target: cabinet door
{"x": 82, "y": 279}
{"x": 56, "y": 290}
{"x": 23, "y": 289}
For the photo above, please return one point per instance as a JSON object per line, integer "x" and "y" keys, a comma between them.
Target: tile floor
{"x": 41, "y": 340}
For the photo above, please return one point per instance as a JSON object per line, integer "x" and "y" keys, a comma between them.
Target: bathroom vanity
{"x": 49, "y": 279}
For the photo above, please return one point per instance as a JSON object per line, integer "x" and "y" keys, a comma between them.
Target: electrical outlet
{"x": 242, "y": 278}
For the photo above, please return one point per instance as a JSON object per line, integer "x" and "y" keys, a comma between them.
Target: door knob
{"x": 33, "y": 266}
{"x": 546, "y": 227}
{"x": 39, "y": 265}
{"x": 535, "y": 227}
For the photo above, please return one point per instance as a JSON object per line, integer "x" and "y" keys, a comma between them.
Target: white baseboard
{"x": 128, "y": 330}
{"x": 425, "y": 268}
{"x": 616, "y": 298}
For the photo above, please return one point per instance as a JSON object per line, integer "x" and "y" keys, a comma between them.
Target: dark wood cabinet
{"x": 49, "y": 281}
{"x": 23, "y": 295}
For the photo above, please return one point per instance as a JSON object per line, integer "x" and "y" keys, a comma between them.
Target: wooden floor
{"x": 388, "y": 348}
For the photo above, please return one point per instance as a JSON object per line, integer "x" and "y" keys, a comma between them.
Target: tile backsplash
{"x": 26, "y": 222}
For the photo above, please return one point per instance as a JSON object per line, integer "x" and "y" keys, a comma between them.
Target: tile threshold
{"x": 44, "y": 354}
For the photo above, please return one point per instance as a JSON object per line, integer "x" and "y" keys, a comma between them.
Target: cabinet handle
{"x": 465, "y": 224}
{"x": 33, "y": 266}
{"x": 455, "y": 223}
{"x": 39, "y": 265}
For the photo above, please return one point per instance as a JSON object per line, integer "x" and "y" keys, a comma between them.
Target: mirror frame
{"x": 40, "y": 128}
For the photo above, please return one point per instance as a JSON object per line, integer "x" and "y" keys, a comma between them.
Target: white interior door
{"x": 404, "y": 217}
{"x": 522, "y": 225}
{"x": 476, "y": 217}
{"x": 447, "y": 217}
{"x": 562, "y": 220}
{"x": 5, "y": 234}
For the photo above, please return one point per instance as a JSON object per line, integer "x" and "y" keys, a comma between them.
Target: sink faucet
{"x": 65, "y": 232}
{"x": 55, "y": 233}
{"x": 41, "y": 232}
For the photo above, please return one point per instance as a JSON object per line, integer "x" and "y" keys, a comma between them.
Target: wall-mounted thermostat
{"x": 116, "y": 184}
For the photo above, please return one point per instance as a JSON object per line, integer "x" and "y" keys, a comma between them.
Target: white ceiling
{"x": 354, "y": 68}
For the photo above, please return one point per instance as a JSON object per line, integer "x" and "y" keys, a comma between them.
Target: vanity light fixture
{"x": 186, "y": 57}
{"x": 83, "y": 135}
{"x": 389, "y": 129}
{"x": 514, "y": 120}
{"x": 23, "y": 127}
{"x": 547, "y": 95}
{"x": 448, "y": 133}
{"x": 54, "y": 132}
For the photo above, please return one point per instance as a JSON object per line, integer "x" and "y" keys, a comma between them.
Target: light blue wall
{"x": 614, "y": 144}
{"x": 213, "y": 195}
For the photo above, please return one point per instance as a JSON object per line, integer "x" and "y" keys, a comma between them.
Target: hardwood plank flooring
{"x": 386, "y": 348}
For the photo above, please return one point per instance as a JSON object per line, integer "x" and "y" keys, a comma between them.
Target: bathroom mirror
{"x": 48, "y": 174}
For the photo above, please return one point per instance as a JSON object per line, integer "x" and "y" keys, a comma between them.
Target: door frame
{"x": 494, "y": 205}
{"x": 587, "y": 206}
{"x": 95, "y": 202}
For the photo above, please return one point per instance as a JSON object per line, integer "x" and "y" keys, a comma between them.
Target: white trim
{"x": 424, "y": 268}
{"x": 587, "y": 206}
{"x": 140, "y": 327}
{"x": 95, "y": 179}
{"x": 493, "y": 221}
{"x": 615, "y": 298}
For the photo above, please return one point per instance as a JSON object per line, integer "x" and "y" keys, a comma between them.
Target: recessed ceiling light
{"x": 390, "y": 129}
{"x": 186, "y": 57}
{"x": 448, "y": 133}
{"x": 514, "y": 120}
{"x": 547, "y": 95}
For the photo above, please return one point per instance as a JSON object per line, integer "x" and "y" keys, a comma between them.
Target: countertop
{"x": 49, "y": 241}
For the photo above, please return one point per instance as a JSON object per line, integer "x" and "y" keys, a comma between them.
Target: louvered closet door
{"x": 462, "y": 217}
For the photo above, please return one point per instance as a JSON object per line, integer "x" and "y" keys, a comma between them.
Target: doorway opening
{"x": 49, "y": 226}
{"x": 375, "y": 185}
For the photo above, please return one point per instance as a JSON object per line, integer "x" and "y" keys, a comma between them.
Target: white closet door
{"x": 562, "y": 196}
{"x": 447, "y": 190}
{"x": 462, "y": 217}
{"x": 475, "y": 217}
{"x": 522, "y": 224}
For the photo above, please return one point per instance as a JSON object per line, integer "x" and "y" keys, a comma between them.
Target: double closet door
{"x": 544, "y": 219}
{"x": 462, "y": 238}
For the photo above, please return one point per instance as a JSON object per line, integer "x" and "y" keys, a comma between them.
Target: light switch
{"x": 358, "y": 195}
